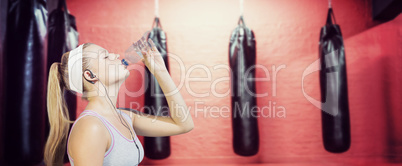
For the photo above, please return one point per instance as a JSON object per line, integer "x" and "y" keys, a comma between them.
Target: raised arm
{"x": 180, "y": 120}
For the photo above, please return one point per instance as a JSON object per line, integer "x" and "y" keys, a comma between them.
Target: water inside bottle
{"x": 133, "y": 53}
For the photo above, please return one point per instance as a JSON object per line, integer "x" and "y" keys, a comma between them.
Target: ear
{"x": 90, "y": 77}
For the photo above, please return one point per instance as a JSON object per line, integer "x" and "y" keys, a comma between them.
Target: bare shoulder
{"x": 88, "y": 139}
{"x": 88, "y": 125}
{"x": 131, "y": 112}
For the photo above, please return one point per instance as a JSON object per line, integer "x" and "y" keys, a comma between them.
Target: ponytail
{"x": 57, "y": 111}
{"x": 58, "y": 118}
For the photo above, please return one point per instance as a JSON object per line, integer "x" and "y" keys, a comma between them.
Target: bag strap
{"x": 330, "y": 16}
{"x": 62, "y": 4}
{"x": 241, "y": 21}
{"x": 59, "y": 5}
{"x": 156, "y": 23}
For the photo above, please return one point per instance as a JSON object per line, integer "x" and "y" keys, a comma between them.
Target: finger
{"x": 153, "y": 46}
{"x": 144, "y": 54}
{"x": 146, "y": 48}
{"x": 142, "y": 46}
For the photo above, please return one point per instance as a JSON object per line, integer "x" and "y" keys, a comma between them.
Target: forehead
{"x": 94, "y": 50}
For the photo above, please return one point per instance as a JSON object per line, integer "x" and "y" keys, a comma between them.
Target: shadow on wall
{"x": 376, "y": 73}
{"x": 362, "y": 25}
{"x": 392, "y": 109}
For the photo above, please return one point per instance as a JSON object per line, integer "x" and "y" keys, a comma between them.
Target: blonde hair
{"x": 57, "y": 111}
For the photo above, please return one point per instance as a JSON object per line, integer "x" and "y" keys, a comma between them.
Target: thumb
{"x": 144, "y": 54}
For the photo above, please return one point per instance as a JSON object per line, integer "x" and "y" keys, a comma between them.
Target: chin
{"x": 125, "y": 74}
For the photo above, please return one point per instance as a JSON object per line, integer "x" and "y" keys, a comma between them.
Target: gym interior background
{"x": 287, "y": 38}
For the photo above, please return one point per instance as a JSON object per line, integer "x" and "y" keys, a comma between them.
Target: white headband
{"x": 75, "y": 69}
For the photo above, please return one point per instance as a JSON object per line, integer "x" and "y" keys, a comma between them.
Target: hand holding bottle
{"x": 152, "y": 58}
{"x": 146, "y": 51}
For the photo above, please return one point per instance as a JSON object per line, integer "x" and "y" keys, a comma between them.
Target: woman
{"x": 102, "y": 134}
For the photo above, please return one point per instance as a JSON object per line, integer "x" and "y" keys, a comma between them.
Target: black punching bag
{"x": 25, "y": 82}
{"x": 242, "y": 57}
{"x": 334, "y": 89}
{"x": 62, "y": 37}
{"x": 155, "y": 102}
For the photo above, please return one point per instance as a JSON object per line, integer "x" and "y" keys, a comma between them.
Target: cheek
{"x": 117, "y": 71}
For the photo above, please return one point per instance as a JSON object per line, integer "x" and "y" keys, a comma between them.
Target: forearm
{"x": 177, "y": 106}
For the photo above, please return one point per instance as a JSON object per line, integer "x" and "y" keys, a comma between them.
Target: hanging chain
{"x": 156, "y": 8}
{"x": 241, "y": 7}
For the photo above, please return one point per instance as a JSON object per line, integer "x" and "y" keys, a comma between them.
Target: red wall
{"x": 287, "y": 33}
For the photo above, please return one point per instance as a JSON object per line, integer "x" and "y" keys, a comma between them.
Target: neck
{"x": 102, "y": 103}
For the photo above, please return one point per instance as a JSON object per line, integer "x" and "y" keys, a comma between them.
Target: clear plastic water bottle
{"x": 133, "y": 53}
